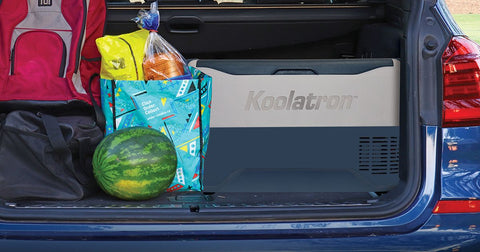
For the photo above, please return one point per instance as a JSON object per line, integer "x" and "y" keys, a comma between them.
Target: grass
{"x": 470, "y": 24}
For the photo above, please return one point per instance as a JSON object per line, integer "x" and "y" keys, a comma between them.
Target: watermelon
{"x": 135, "y": 163}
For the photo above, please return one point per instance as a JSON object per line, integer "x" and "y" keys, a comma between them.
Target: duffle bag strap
{"x": 60, "y": 147}
{"x": 99, "y": 116}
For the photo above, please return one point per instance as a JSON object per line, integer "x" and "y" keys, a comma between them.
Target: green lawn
{"x": 470, "y": 24}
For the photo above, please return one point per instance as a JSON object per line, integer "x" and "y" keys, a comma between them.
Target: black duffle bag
{"x": 45, "y": 157}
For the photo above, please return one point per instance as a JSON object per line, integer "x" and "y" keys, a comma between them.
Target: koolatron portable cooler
{"x": 303, "y": 125}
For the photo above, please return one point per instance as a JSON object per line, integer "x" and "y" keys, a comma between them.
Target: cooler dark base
{"x": 323, "y": 159}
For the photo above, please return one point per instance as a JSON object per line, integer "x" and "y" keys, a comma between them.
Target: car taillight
{"x": 457, "y": 206}
{"x": 461, "y": 83}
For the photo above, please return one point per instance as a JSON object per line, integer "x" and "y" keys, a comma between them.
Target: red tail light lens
{"x": 457, "y": 206}
{"x": 461, "y": 83}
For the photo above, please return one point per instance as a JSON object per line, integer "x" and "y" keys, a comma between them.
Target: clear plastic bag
{"x": 162, "y": 61}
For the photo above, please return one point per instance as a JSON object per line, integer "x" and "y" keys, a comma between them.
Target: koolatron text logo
{"x": 258, "y": 101}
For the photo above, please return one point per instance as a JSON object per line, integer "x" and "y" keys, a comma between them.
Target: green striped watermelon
{"x": 135, "y": 163}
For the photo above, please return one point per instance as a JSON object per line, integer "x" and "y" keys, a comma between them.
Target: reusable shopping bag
{"x": 178, "y": 108}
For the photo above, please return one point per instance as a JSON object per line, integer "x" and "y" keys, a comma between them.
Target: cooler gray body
{"x": 303, "y": 126}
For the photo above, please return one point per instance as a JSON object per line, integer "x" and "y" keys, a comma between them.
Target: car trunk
{"x": 308, "y": 115}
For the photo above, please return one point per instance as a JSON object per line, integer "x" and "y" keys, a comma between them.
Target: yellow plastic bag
{"x": 122, "y": 55}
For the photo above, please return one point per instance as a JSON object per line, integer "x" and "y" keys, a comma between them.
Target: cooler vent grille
{"x": 378, "y": 155}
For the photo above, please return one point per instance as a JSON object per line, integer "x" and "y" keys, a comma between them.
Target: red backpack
{"x": 48, "y": 52}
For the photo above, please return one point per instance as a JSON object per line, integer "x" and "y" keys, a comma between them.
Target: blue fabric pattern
{"x": 178, "y": 108}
